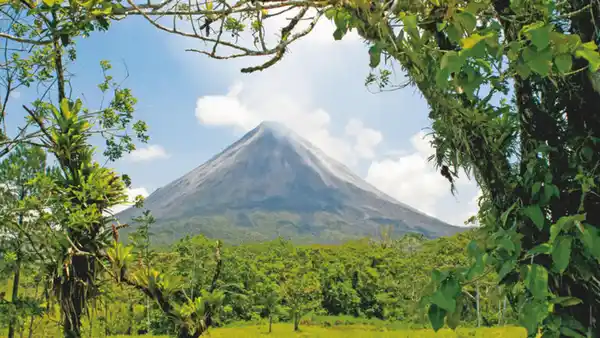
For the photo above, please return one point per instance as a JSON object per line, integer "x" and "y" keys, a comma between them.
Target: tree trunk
{"x": 270, "y": 323}
{"x": 148, "y": 313}
{"x": 478, "y": 310}
{"x": 15, "y": 295}
{"x": 296, "y": 321}
{"x": 75, "y": 294}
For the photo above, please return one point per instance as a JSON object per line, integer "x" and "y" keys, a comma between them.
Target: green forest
{"x": 512, "y": 89}
{"x": 378, "y": 283}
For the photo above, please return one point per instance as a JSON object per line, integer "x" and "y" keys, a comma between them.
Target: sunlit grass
{"x": 362, "y": 331}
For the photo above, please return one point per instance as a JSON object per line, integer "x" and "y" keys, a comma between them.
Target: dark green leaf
{"x": 568, "y": 332}
{"x": 436, "y": 317}
{"x": 566, "y": 301}
{"x": 374, "y": 56}
{"x": 467, "y": 21}
{"x": 338, "y": 34}
{"x": 506, "y": 268}
{"x": 535, "y": 214}
{"x": 535, "y": 188}
{"x": 561, "y": 254}
{"x": 564, "y": 223}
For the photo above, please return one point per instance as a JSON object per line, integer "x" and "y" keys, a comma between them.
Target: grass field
{"x": 354, "y": 331}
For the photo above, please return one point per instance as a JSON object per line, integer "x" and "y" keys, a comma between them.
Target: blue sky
{"x": 196, "y": 106}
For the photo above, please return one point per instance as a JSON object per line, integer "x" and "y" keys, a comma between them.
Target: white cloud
{"x": 131, "y": 195}
{"x": 366, "y": 138}
{"x": 15, "y": 94}
{"x": 412, "y": 179}
{"x": 244, "y": 110}
{"x": 149, "y": 153}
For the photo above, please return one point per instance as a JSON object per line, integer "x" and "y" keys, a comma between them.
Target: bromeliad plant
{"x": 192, "y": 316}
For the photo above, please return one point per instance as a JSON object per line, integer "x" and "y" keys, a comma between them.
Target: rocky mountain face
{"x": 271, "y": 183}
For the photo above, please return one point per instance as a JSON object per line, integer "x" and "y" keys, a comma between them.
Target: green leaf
{"x": 50, "y": 3}
{"x": 506, "y": 268}
{"x": 563, "y": 62}
{"x": 374, "y": 56}
{"x": 566, "y": 301}
{"x": 523, "y": 70}
{"x": 453, "y": 318}
{"x": 591, "y": 45}
{"x": 537, "y": 281}
{"x": 467, "y": 21}
{"x": 446, "y": 303}
{"x": 592, "y": 56}
{"x": 338, "y": 34}
{"x": 452, "y": 61}
{"x": 568, "y": 332}
{"x": 535, "y": 214}
{"x": 330, "y": 13}
{"x": 541, "y": 63}
{"x": 550, "y": 190}
{"x": 543, "y": 248}
{"x": 561, "y": 254}
{"x": 535, "y": 188}
{"x": 507, "y": 244}
{"x": 504, "y": 216}
{"x": 563, "y": 223}
{"x": 590, "y": 236}
{"x": 453, "y": 33}
{"x": 436, "y": 317}
{"x": 441, "y": 77}
{"x": 539, "y": 35}
{"x": 532, "y": 315}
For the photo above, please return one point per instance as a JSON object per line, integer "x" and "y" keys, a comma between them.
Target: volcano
{"x": 272, "y": 183}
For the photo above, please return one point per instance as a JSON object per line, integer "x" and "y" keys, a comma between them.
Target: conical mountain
{"x": 271, "y": 183}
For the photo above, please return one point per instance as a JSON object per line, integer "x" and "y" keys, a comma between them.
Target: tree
{"x": 269, "y": 301}
{"x": 301, "y": 287}
{"x": 513, "y": 88}
{"x": 19, "y": 224}
{"x": 141, "y": 248}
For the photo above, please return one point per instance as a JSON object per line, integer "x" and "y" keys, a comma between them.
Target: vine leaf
{"x": 561, "y": 254}
{"x": 566, "y": 301}
{"x": 539, "y": 34}
{"x": 564, "y": 223}
{"x": 563, "y": 62}
{"x": 535, "y": 214}
{"x": 589, "y": 52}
{"x": 537, "y": 281}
